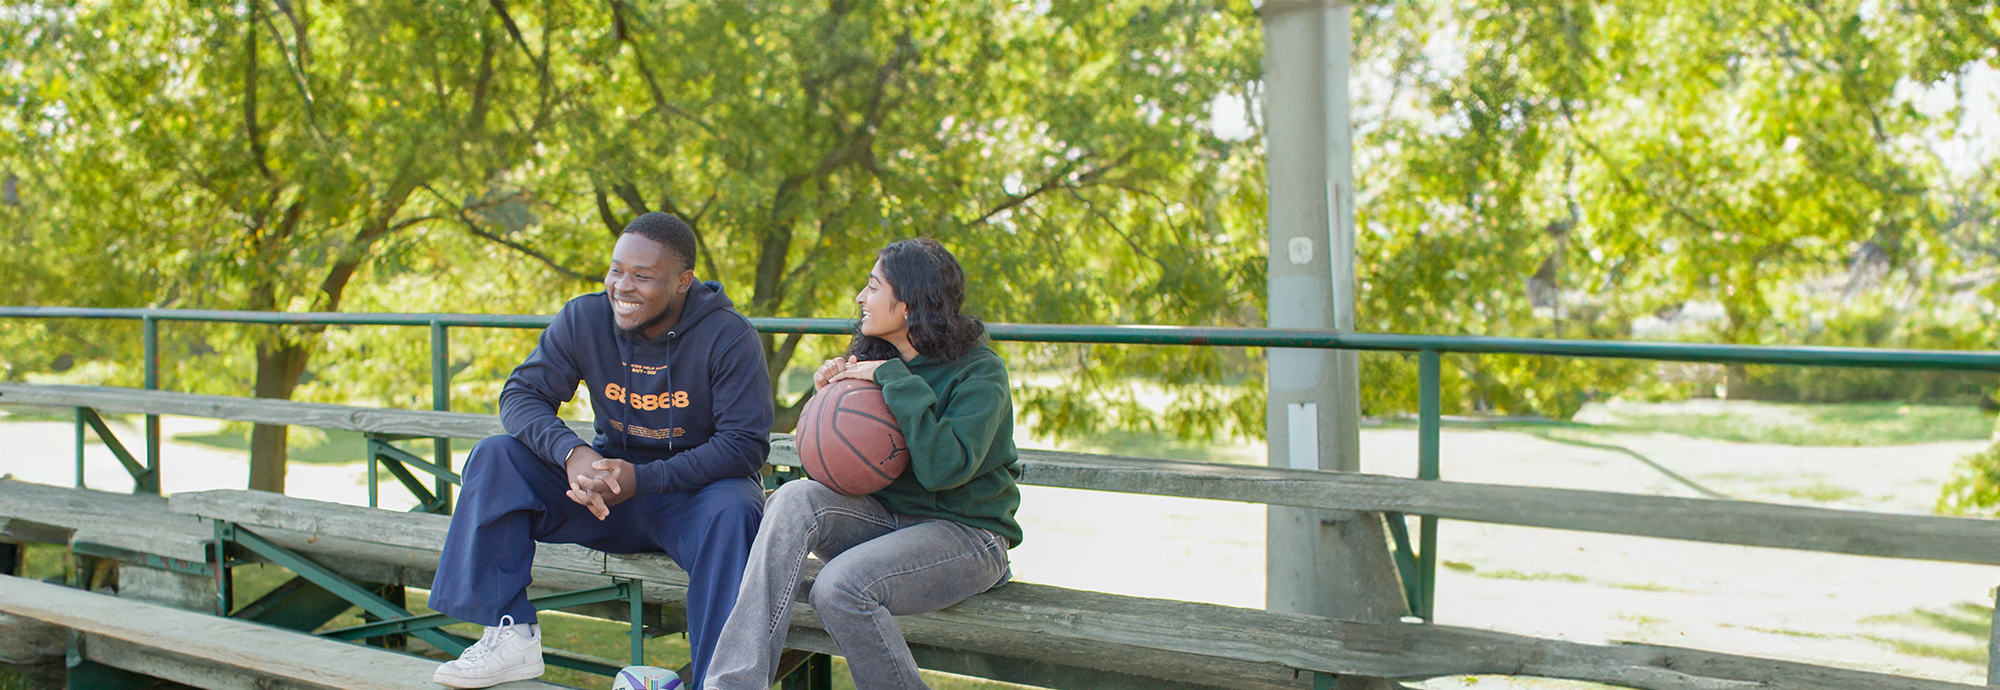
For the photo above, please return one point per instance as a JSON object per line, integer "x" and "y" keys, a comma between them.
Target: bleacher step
{"x": 214, "y": 652}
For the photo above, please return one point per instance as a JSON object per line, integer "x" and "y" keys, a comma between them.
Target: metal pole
{"x": 634, "y": 595}
{"x": 1320, "y": 562}
{"x": 374, "y": 473}
{"x": 150, "y": 484}
{"x": 1993, "y": 643}
{"x": 1429, "y": 418}
{"x": 79, "y": 446}
{"x": 441, "y": 400}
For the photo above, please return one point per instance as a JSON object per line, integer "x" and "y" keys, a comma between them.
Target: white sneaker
{"x": 506, "y": 653}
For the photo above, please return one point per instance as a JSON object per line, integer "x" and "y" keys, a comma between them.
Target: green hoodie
{"x": 958, "y": 418}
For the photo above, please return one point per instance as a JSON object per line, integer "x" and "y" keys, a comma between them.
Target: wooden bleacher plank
{"x": 263, "y": 410}
{"x": 212, "y": 651}
{"x": 1087, "y": 631}
{"x": 322, "y": 531}
{"x": 1926, "y": 537}
{"x": 1106, "y": 632}
{"x": 133, "y": 522}
{"x": 422, "y": 532}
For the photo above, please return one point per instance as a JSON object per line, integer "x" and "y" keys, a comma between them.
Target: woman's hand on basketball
{"x": 826, "y": 372}
{"x": 855, "y": 369}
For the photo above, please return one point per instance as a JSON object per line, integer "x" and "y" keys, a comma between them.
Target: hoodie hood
{"x": 704, "y": 297}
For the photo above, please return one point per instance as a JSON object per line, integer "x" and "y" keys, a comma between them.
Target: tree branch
{"x": 1618, "y": 172}
{"x": 624, "y": 35}
{"x": 464, "y": 215}
{"x": 357, "y": 249}
{"x": 256, "y": 137}
{"x": 298, "y": 79}
{"x": 784, "y": 355}
{"x": 629, "y": 193}
{"x": 514, "y": 30}
{"x": 1058, "y": 180}
{"x": 545, "y": 81}
{"x": 604, "y": 213}
{"x": 694, "y": 223}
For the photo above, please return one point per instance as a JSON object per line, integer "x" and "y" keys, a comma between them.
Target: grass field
{"x": 1836, "y": 424}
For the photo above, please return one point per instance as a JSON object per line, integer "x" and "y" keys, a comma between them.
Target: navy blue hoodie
{"x": 688, "y": 408}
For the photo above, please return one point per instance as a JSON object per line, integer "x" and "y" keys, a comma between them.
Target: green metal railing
{"x": 1418, "y": 562}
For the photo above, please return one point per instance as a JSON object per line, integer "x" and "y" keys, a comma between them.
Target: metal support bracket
{"x": 1407, "y": 564}
{"x": 333, "y": 582}
{"x": 381, "y": 453}
{"x": 145, "y": 481}
{"x": 410, "y": 624}
{"x": 815, "y": 674}
{"x": 395, "y": 620}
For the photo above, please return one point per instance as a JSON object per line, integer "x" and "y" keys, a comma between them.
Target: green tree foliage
{"x": 1540, "y": 169}
{"x": 480, "y": 157}
{"x": 257, "y": 156}
{"x": 1566, "y": 169}
{"x": 1050, "y": 146}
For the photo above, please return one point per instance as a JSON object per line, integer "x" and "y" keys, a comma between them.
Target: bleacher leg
{"x": 225, "y": 580}
{"x": 399, "y": 596}
{"x": 1324, "y": 681}
{"x": 634, "y": 593}
{"x": 1993, "y": 643}
{"x": 815, "y": 674}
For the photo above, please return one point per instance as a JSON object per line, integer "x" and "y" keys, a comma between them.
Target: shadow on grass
{"x": 1971, "y": 621}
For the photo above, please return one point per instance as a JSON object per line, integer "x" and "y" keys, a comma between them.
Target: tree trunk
{"x": 280, "y": 363}
{"x": 786, "y": 417}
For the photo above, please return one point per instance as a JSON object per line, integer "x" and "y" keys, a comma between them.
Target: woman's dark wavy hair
{"x": 927, "y": 278}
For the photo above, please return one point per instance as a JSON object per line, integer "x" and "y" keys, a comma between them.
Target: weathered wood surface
{"x": 1395, "y": 650}
{"x": 1961, "y": 540}
{"x": 406, "y": 545}
{"x": 263, "y": 411}
{"x": 139, "y": 523}
{"x": 1152, "y": 637}
{"x": 212, "y": 651}
{"x": 419, "y": 534}
{"x": 24, "y": 531}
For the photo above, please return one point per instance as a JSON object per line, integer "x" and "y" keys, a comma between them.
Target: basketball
{"x": 849, "y": 441}
{"x": 645, "y": 678}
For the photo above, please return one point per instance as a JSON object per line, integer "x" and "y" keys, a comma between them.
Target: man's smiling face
{"x": 646, "y": 284}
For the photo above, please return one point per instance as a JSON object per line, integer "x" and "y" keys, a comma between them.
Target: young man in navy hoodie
{"x": 676, "y": 378}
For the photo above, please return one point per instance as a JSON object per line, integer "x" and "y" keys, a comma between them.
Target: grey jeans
{"x": 878, "y": 564}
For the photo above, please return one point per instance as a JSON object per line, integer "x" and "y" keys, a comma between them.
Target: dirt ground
{"x": 1905, "y": 617}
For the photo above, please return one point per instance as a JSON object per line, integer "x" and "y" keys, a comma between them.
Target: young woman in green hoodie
{"x": 934, "y": 537}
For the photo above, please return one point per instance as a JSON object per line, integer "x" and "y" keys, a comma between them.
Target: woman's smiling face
{"x": 882, "y": 315}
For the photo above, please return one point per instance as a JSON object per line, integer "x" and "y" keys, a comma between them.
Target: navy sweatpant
{"x": 513, "y": 498}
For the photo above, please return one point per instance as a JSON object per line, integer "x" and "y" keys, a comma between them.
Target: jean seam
{"x": 798, "y": 566}
{"x": 963, "y": 555}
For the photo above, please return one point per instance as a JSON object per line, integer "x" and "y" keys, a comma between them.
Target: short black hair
{"x": 670, "y": 231}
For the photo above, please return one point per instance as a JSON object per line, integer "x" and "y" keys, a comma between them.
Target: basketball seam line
{"x": 837, "y": 409}
{"x": 819, "y": 454}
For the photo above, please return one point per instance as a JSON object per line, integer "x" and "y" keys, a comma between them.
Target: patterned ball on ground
{"x": 645, "y": 678}
{"x": 849, "y": 441}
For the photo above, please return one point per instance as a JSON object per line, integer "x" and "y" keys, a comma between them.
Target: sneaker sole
{"x": 468, "y": 683}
